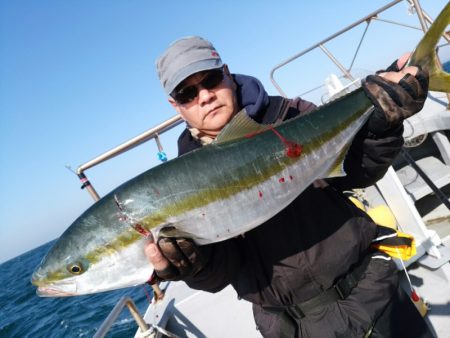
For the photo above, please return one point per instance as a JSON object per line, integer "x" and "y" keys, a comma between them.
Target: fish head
{"x": 67, "y": 272}
{"x": 92, "y": 257}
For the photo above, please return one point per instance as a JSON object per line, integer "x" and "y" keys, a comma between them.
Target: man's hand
{"x": 174, "y": 258}
{"x": 398, "y": 94}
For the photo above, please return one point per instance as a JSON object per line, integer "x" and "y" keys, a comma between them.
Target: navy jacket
{"x": 305, "y": 248}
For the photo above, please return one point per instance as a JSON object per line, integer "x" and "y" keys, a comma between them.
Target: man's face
{"x": 211, "y": 109}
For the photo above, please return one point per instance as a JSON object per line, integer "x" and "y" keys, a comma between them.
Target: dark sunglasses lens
{"x": 212, "y": 79}
{"x": 186, "y": 94}
{"x": 189, "y": 93}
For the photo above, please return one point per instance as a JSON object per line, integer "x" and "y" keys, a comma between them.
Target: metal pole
{"x": 158, "y": 142}
{"x": 115, "y": 312}
{"x": 134, "y": 142}
{"x": 296, "y": 56}
{"x": 87, "y": 185}
{"x": 130, "y": 144}
{"x": 396, "y": 23}
{"x": 337, "y": 63}
{"x": 359, "y": 44}
{"x": 158, "y": 294}
{"x": 420, "y": 15}
{"x": 438, "y": 192}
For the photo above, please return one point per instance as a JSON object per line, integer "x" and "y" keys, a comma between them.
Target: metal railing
{"x": 115, "y": 312}
{"x": 154, "y": 132}
{"x": 424, "y": 19}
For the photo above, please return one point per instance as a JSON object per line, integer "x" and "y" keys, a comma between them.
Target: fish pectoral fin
{"x": 170, "y": 231}
{"x": 240, "y": 126}
{"x": 173, "y": 231}
{"x": 337, "y": 170}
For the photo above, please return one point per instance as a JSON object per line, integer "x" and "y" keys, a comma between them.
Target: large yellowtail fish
{"x": 213, "y": 193}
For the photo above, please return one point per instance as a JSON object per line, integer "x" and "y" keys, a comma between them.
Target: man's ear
{"x": 227, "y": 73}
{"x": 226, "y": 70}
{"x": 174, "y": 104}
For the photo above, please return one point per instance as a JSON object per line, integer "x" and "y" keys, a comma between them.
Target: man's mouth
{"x": 214, "y": 110}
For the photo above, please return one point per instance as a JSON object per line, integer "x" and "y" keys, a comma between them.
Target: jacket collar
{"x": 251, "y": 94}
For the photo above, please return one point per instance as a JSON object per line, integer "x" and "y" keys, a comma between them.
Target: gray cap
{"x": 185, "y": 57}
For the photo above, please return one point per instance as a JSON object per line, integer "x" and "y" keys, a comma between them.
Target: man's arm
{"x": 396, "y": 95}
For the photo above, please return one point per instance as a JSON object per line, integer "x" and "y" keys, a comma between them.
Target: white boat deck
{"x": 191, "y": 313}
{"x": 434, "y": 288}
{"x": 437, "y": 171}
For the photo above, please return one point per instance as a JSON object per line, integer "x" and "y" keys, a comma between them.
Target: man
{"x": 309, "y": 271}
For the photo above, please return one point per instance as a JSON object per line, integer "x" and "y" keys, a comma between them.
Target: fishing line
{"x": 146, "y": 293}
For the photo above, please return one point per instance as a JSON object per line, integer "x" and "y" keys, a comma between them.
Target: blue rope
{"x": 162, "y": 156}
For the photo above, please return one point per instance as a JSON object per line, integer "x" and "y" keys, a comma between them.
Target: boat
{"x": 413, "y": 196}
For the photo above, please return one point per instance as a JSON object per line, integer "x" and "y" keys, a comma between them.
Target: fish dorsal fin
{"x": 241, "y": 125}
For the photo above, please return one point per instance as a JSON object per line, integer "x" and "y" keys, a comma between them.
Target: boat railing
{"x": 174, "y": 121}
{"x": 145, "y": 330}
{"x": 152, "y": 133}
{"x": 424, "y": 20}
{"x": 115, "y": 312}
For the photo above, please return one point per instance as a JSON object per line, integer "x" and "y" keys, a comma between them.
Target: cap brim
{"x": 191, "y": 69}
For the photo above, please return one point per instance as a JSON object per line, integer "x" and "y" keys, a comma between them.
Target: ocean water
{"x": 24, "y": 314}
{"x": 446, "y": 66}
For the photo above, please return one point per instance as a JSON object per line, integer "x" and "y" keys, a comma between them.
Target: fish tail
{"x": 425, "y": 53}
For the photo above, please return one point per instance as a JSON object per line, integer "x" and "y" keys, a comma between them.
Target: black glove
{"x": 184, "y": 257}
{"x": 392, "y": 68}
{"x": 395, "y": 102}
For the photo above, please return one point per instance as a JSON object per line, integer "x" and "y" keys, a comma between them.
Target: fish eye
{"x": 75, "y": 268}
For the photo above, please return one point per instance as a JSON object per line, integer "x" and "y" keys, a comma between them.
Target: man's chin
{"x": 215, "y": 125}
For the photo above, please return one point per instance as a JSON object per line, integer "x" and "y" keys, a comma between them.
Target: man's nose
{"x": 205, "y": 95}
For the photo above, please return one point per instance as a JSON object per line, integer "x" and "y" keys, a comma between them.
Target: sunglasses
{"x": 212, "y": 79}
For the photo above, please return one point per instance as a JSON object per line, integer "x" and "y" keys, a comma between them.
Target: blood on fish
{"x": 291, "y": 177}
{"x": 292, "y": 149}
{"x": 260, "y": 194}
{"x": 282, "y": 180}
{"x": 141, "y": 230}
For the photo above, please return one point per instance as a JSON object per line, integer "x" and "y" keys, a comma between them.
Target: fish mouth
{"x": 62, "y": 289}
{"x": 38, "y": 278}
{"x": 46, "y": 291}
